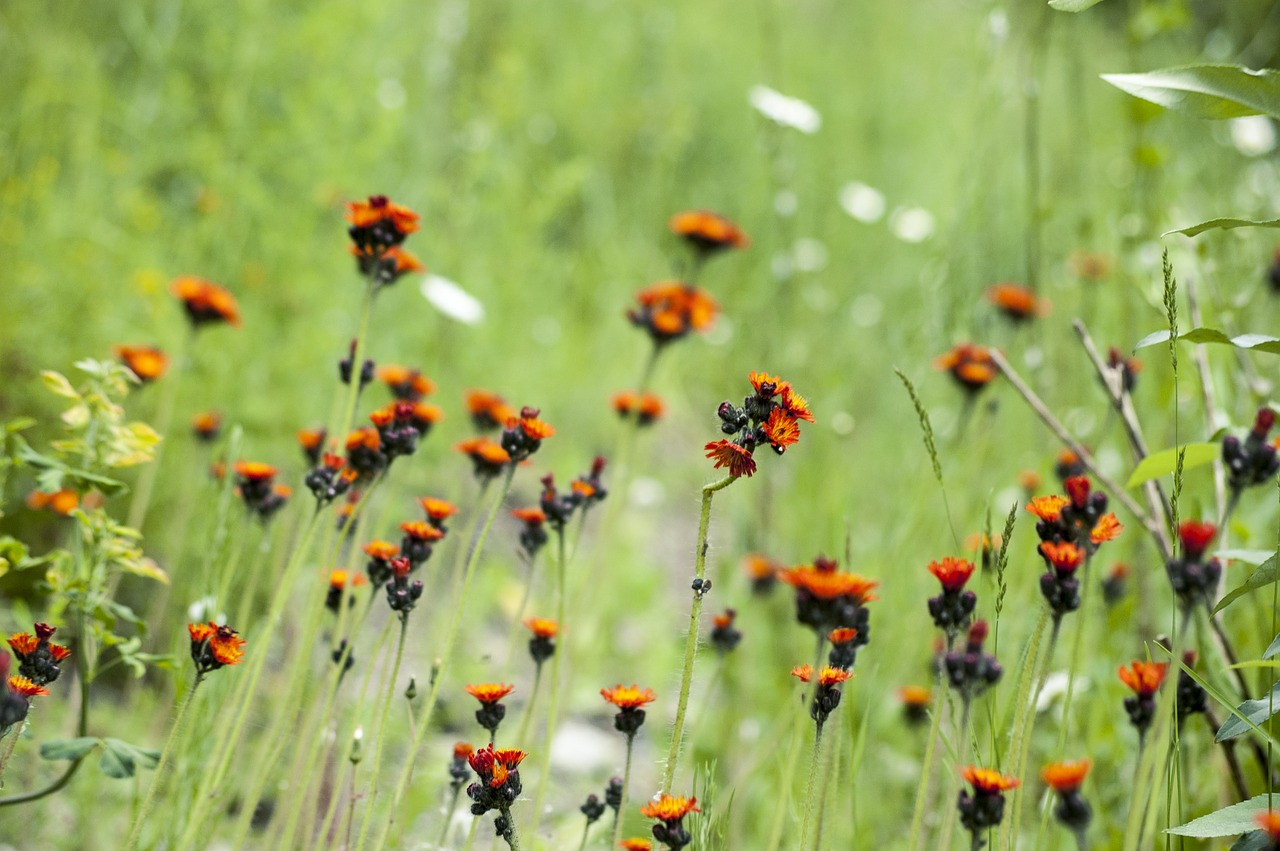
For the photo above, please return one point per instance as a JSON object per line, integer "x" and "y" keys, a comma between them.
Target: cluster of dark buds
{"x": 844, "y": 647}
{"x": 343, "y": 655}
{"x": 1058, "y": 585}
{"x": 984, "y": 807}
{"x": 1191, "y": 697}
{"x": 459, "y": 769}
{"x": 584, "y": 492}
{"x": 339, "y": 581}
{"x": 1128, "y": 367}
{"x": 1072, "y": 811}
{"x": 670, "y": 811}
{"x": 533, "y": 535}
{"x": 724, "y": 635}
{"x": 258, "y": 489}
{"x": 402, "y": 595}
{"x": 330, "y": 478}
{"x": 1144, "y": 678}
{"x": 491, "y": 711}
{"x": 828, "y": 599}
{"x": 400, "y": 427}
{"x": 214, "y": 647}
{"x": 1079, "y": 518}
{"x": 1195, "y": 579}
{"x": 970, "y": 670}
{"x": 499, "y": 785}
{"x": 542, "y": 645}
{"x": 593, "y": 808}
{"x": 915, "y": 704}
{"x": 347, "y": 365}
{"x": 613, "y": 794}
{"x": 630, "y": 702}
{"x": 952, "y": 609}
{"x": 1115, "y": 583}
{"x": 646, "y": 407}
{"x": 381, "y": 554}
{"x": 377, "y": 228}
{"x": 1253, "y": 462}
{"x": 488, "y": 458}
{"x": 38, "y": 657}
{"x": 826, "y": 697}
{"x": 771, "y": 415}
{"x": 418, "y": 541}
{"x": 524, "y": 434}
{"x": 15, "y": 696}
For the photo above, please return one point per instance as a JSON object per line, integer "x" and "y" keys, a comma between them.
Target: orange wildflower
{"x": 380, "y": 210}
{"x": 636, "y": 843}
{"x": 405, "y": 383}
{"x": 827, "y": 677}
{"x": 205, "y": 301}
{"x": 490, "y": 692}
{"x": 26, "y": 688}
{"x": 670, "y": 808}
{"x": 1017, "y": 302}
{"x": 61, "y": 502}
{"x": 728, "y": 454}
{"x": 970, "y": 365}
{"x": 952, "y": 572}
{"x": 542, "y": 627}
{"x": 1066, "y": 777}
{"x": 628, "y": 697}
{"x": 146, "y": 362}
{"x": 670, "y": 310}
{"x": 1048, "y": 508}
{"x": 1144, "y": 677}
{"x": 488, "y": 410}
{"x": 988, "y": 779}
{"x": 707, "y": 232}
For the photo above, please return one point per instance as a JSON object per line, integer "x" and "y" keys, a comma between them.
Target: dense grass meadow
{"x": 884, "y": 401}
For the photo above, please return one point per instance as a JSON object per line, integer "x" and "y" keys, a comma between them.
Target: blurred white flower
{"x": 452, "y": 300}
{"x": 1254, "y": 135}
{"x": 911, "y": 224}
{"x": 206, "y": 609}
{"x": 1055, "y": 686}
{"x": 784, "y": 110}
{"x": 864, "y": 203}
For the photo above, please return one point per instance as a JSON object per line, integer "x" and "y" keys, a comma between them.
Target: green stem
{"x": 471, "y": 834}
{"x": 382, "y": 730}
{"x": 448, "y": 815}
{"x": 808, "y": 792}
{"x": 16, "y": 729}
{"x": 1023, "y": 721}
{"x": 136, "y": 833}
{"x": 953, "y": 780}
{"x": 164, "y": 418}
{"x": 527, "y": 716}
{"x": 926, "y": 776}
{"x": 793, "y": 753}
{"x": 691, "y": 639}
{"x": 514, "y": 840}
{"x": 622, "y": 805}
{"x": 553, "y": 709}
{"x": 425, "y": 725}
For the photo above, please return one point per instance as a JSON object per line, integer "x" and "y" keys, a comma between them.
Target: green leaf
{"x": 121, "y": 759}
{"x": 1206, "y": 91}
{"x": 1257, "y": 711}
{"x": 1272, "y": 649}
{"x": 1222, "y": 224}
{"x": 1260, "y": 578}
{"x": 1253, "y": 557}
{"x": 1164, "y": 462}
{"x": 71, "y": 749}
{"x": 1254, "y": 342}
{"x": 1073, "y": 5}
{"x": 1228, "y": 821}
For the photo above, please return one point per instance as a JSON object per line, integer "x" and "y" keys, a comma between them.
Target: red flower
{"x": 970, "y": 365}
{"x": 952, "y": 572}
{"x": 731, "y": 455}
{"x": 988, "y": 780}
{"x": 1144, "y": 677}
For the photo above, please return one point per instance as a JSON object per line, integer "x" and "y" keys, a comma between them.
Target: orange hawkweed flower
{"x": 205, "y": 301}
{"x": 255, "y": 471}
{"x": 207, "y": 425}
{"x": 628, "y": 697}
{"x": 781, "y": 430}
{"x": 312, "y": 442}
{"x": 438, "y": 510}
{"x": 728, "y": 454}
{"x": 495, "y": 767}
{"x": 648, "y": 408}
{"x": 952, "y": 572}
{"x": 487, "y": 456}
{"x": 146, "y": 362}
{"x": 707, "y": 232}
{"x": 405, "y": 383}
{"x": 670, "y": 310}
{"x": 915, "y": 696}
{"x": 542, "y": 627}
{"x": 1106, "y": 529}
{"x": 670, "y": 808}
{"x": 1269, "y": 822}
{"x": 1066, "y": 777}
{"x": 488, "y": 410}
{"x": 988, "y": 779}
{"x": 26, "y": 688}
{"x": 490, "y": 692}
{"x": 1017, "y": 302}
{"x": 827, "y": 677}
{"x": 1144, "y": 678}
{"x": 61, "y": 502}
{"x": 1063, "y": 557}
{"x": 1048, "y": 508}
{"x": 970, "y": 365}
{"x": 636, "y": 843}
{"x": 214, "y": 646}
{"x": 761, "y": 570}
{"x": 380, "y": 211}
{"x": 824, "y": 581}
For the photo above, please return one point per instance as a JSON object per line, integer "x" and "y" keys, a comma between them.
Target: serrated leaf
{"x": 1228, "y": 821}
{"x": 1264, "y": 575}
{"x": 1252, "y": 342}
{"x": 1073, "y": 5}
{"x": 1223, "y": 224}
{"x": 1272, "y": 649}
{"x": 1257, "y": 711}
{"x": 1164, "y": 462}
{"x": 1206, "y": 91}
{"x": 71, "y": 749}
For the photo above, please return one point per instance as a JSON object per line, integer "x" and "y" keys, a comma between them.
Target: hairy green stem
{"x": 808, "y": 792}
{"x": 382, "y": 729}
{"x": 149, "y": 802}
{"x": 926, "y": 776}
{"x": 553, "y": 708}
{"x": 622, "y": 805}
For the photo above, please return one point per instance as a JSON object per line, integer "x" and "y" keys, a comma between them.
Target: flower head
{"x": 378, "y": 224}
{"x": 628, "y": 697}
{"x": 487, "y": 457}
{"x": 490, "y": 692}
{"x": 970, "y": 365}
{"x": 636, "y": 843}
{"x": 542, "y": 644}
{"x": 1144, "y": 677}
{"x": 984, "y": 807}
{"x": 770, "y": 416}
{"x": 762, "y": 571}
{"x": 339, "y": 581}
{"x": 405, "y": 383}
{"x": 214, "y": 646}
{"x": 646, "y": 407}
{"x": 952, "y": 572}
{"x": 915, "y": 703}
{"x": 312, "y": 442}
{"x": 1269, "y": 820}
{"x": 61, "y": 502}
{"x": 707, "y": 232}
{"x": 1066, "y": 777}
{"x": 736, "y": 458}
{"x": 146, "y": 362}
{"x": 671, "y": 310}
{"x": 488, "y": 410}
{"x": 1196, "y": 537}
{"x": 988, "y": 779}
{"x": 1017, "y": 302}
{"x": 207, "y": 425}
{"x": 670, "y": 811}
{"x": 205, "y": 302}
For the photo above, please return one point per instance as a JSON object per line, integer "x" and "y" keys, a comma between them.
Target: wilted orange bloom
{"x": 988, "y": 779}
{"x": 26, "y": 688}
{"x": 61, "y": 502}
{"x": 827, "y": 678}
{"x": 405, "y": 383}
{"x": 670, "y": 808}
{"x": 542, "y": 627}
{"x": 728, "y": 454}
{"x": 378, "y": 209}
{"x": 670, "y": 310}
{"x": 146, "y": 362}
{"x": 708, "y": 231}
{"x": 1066, "y": 777}
{"x": 205, "y": 301}
{"x": 952, "y": 572}
{"x": 1017, "y": 302}
{"x": 1144, "y": 677}
{"x": 490, "y": 692}
{"x": 1048, "y": 508}
{"x": 970, "y": 365}
{"x": 628, "y": 697}
{"x": 488, "y": 410}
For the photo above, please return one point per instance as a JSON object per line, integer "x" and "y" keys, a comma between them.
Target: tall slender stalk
{"x": 164, "y": 418}
{"x": 691, "y": 640}
{"x": 808, "y": 792}
{"x": 136, "y": 833}
{"x": 926, "y": 775}
{"x": 382, "y": 730}
{"x": 425, "y": 724}
{"x": 553, "y": 708}
{"x": 793, "y": 753}
{"x": 1024, "y": 719}
{"x": 622, "y": 805}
